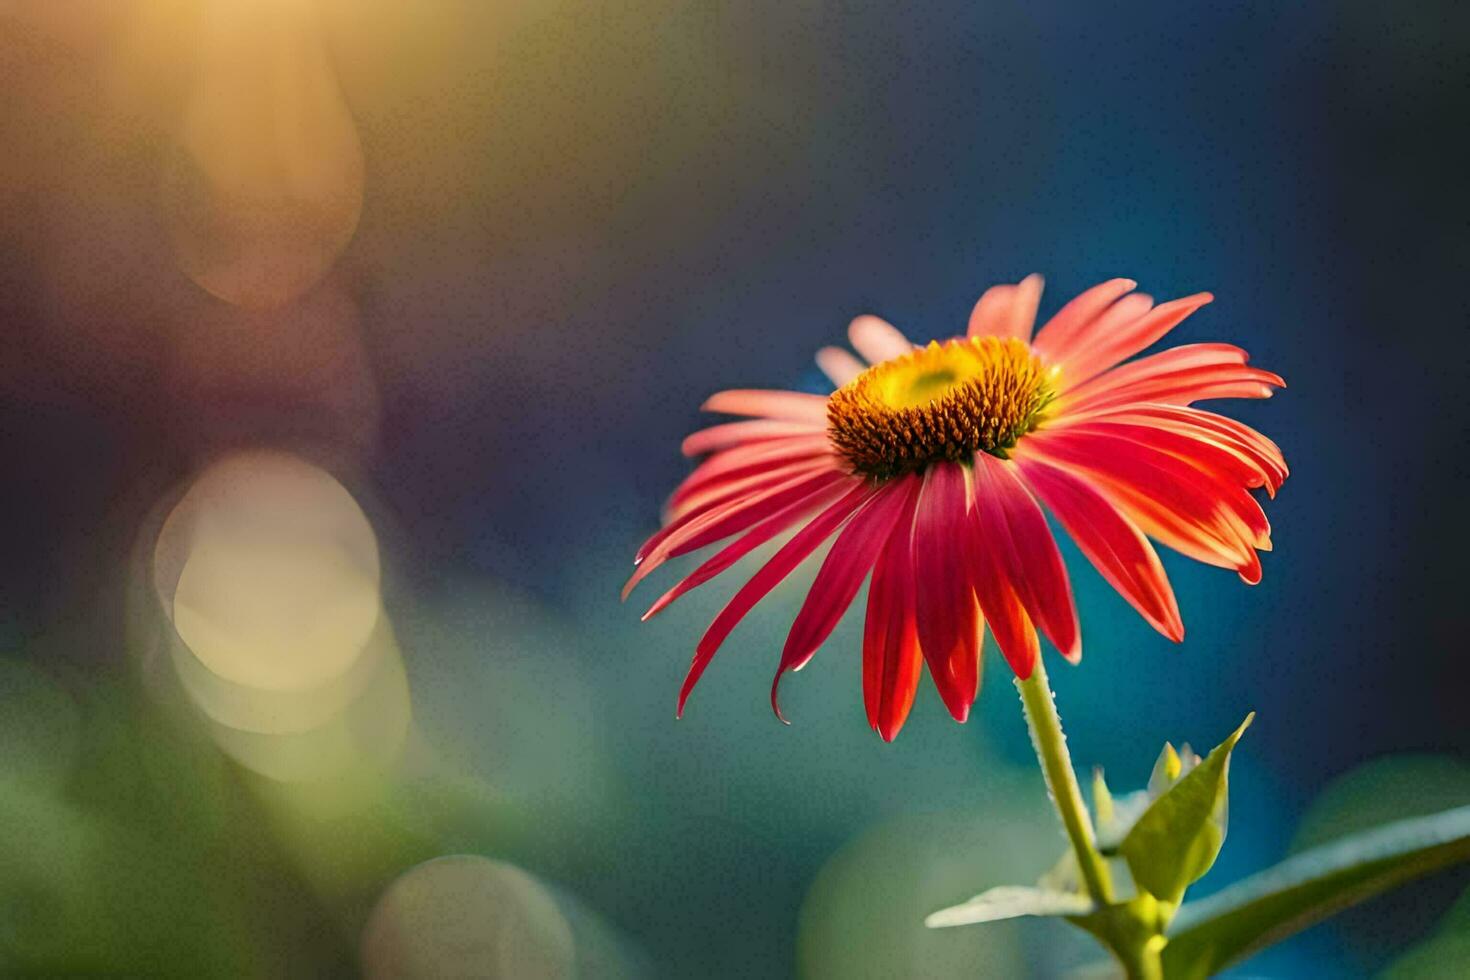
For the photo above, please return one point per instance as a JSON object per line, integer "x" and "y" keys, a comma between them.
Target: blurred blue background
{"x": 575, "y": 223}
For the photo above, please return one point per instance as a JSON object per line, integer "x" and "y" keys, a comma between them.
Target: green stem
{"x": 1144, "y": 961}
{"x": 1051, "y": 749}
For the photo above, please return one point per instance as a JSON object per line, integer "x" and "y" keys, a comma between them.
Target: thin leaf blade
{"x": 1009, "y": 902}
{"x": 1209, "y": 935}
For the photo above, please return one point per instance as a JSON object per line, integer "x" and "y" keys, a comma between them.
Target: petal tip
{"x": 663, "y": 602}
{"x": 685, "y": 690}
{"x": 775, "y": 692}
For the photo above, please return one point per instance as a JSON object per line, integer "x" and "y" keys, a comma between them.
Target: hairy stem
{"x": 1051, "y": 749}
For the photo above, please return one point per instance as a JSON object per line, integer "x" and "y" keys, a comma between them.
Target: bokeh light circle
{"x": 467, "y": 916}
{"x": 270, "y": 571}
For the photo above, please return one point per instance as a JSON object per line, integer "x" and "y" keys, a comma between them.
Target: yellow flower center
{"x": 944, "y": 401}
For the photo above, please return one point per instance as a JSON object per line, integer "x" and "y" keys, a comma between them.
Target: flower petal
{"x": 1102, "y": 349}
{"x": 1236, "y": 437}
{"x": 892, "y": 661}
{"x": 1116, "y": 317}
{"x": 1202, "y": 453}
{"x": 877, "y": 339}
{"x": 718, "y": 474}
{"x": 739, "y": 460}
{"x": 1216, "y": 474}
{"x": 1007, "y": 311}
{"x": 1163, "y": 495}
{"x": 732, "y": 517}
{"x": 795, "y": 406}
{"x": 991, "y": 310}
{"x": 1054, "y": 341}
{"x": 802, "y": 544}
{"x": 1180, "y": 387}
{"x": 729, "y": 435}
{"x": 947, "y": 618}
{"x": 767, "y": 529}
{"x": 840, "y": 577}
{"x": 733, "y": 492}
{"x": 1164, "y": 362}
{"x": 1028, "y": 552}
{"x": 839, "y": 365}
{"x": 986, "y": 536}
{"x": 1113, "y": 543}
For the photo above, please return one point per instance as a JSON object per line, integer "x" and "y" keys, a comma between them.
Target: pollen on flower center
{"x": 944, "y": 401}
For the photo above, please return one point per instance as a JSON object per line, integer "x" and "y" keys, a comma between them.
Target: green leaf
{"x": 1209, "y": 935}
{"x": 1179, "y": 835}
{"x": 1102, "y": 798}
{"x": 1115, "y": 816}
{"x": 1167, "y": 771}
{"x": 1009, "y": 902}
{"x": 1126, "y": 811}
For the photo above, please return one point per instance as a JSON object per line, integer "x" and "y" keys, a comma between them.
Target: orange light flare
{"x": 263, "y": 187}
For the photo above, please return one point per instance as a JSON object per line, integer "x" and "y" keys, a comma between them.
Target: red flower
{"x": 930, "y": 467}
